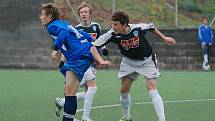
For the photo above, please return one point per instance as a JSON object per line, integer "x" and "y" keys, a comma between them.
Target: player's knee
{"x": 68, "y": 91}
{"x": 124, "y": 90}
{"x": 91, "y": 83}
{"x": 151, "y": 86}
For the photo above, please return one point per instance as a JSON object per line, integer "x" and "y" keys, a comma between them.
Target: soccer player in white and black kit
{"x": 89, "y": 79}
{"x": 138, "y": 58}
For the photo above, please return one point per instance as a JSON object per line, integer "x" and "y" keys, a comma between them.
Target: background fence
{"x": 24, "y": 43}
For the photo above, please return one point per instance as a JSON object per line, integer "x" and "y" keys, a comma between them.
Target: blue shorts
{"x": 78, "y": 67}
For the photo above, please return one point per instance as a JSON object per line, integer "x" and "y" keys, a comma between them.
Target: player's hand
{"x": 61, "y": 64}
{"x": 54, "y": 54}
{"x": 103, "y": 64}
{"x": 170, "y": 41}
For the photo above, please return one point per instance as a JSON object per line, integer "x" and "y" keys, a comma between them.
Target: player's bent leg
{"x": 126, "y": 85}
{"x": 90, "y": 93}
{"x": 125, "y": 98}
{"x": 91, "y": 83}
{"x": 70, "y": 89}
{"x": 156, "y": 99}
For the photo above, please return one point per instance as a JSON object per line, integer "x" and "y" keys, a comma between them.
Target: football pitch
{"x": 28, "y": 95}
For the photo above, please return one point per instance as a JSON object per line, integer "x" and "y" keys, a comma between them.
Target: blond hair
{"x": 83, "y": 5}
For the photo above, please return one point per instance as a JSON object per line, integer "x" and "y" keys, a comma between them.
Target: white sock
{"x": 88, "y": 102}
{"x": 205, "y": 58}
{"x": 158, "y": 104}
{"x": 125, "y": 100}
{"x": 80, "y": 95}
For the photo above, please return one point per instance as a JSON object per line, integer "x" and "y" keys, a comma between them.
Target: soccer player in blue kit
{"x": 89, "y": 79}
{"x": 76, "y": 48}
{"x": 205, "y": 35}
{"x": 138, "y": 58}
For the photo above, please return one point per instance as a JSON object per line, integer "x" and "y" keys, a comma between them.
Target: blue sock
{"x": 70, "y": 108}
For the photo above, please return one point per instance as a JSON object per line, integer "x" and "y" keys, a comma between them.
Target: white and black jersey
{"x": 133, "y": 44}
{"x": 93, "y": 29}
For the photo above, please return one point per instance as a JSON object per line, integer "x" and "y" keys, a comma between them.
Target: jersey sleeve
{"x": 103, "y": 39}
{"x": 147, "y": 26}
{"x": 58, "y": 43}
{"x": 53, "y": 30}
{"x": 58, "y": 36}
{"x": 200, "y": 34}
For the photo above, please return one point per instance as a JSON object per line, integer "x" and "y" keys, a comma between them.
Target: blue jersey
{"x": 72, "y": 43}
{"x": 205, "y": 34}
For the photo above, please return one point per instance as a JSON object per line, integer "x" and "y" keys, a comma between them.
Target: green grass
{"x": 28, "y": 95}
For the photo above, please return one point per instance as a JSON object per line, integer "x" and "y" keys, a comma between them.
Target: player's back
{"x": 72, "y": 43}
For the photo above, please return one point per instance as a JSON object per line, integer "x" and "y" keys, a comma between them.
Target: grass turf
{"x": 28, "y": 95}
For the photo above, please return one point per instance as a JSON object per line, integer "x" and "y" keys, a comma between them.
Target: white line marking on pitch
{"x": 140, "y": 103}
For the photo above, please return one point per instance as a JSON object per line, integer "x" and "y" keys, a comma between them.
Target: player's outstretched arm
{"x": 168, "y": 40}
{"x": 98, "y": 58}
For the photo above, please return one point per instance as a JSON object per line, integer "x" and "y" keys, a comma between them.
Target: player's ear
{"x": 50, "y": 17}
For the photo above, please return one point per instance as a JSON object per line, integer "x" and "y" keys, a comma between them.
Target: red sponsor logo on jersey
{"x": 93, "y": 35}
{"x": 131, "y": 43}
